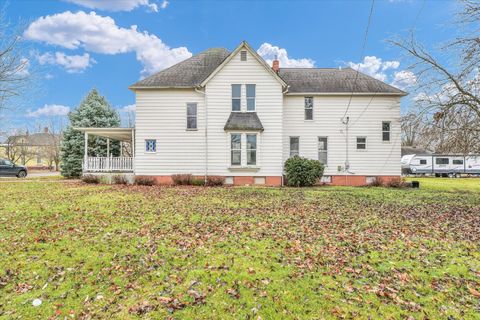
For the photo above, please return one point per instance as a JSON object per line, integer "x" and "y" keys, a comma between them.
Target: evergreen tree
{"x": 94, "y": 111}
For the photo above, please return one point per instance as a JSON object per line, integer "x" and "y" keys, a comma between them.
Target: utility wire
{"x": 361, "y": 57}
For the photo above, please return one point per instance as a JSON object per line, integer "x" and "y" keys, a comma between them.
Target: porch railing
{"x": 108, "y": 164}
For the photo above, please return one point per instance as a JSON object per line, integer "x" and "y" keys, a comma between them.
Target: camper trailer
{"x": 441, "y": 165}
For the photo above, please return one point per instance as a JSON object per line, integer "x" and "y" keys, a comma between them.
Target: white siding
{"x": 161, "y": 115}
{"x": 269, "y": 101}
{"x": 366, "y": 116}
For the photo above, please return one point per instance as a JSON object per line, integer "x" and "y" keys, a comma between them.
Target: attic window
{"x": 243, "y": 55}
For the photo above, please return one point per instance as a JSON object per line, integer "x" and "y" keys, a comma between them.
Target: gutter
{"x": 197, "y": 89}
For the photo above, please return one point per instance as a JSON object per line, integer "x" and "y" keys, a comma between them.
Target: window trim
{"x": 305, "y": 108}
{"x": 290, "y": 146}
{"x": 324, "y": 151}
{"x": 231, "y": 149}
{"x": 236, "y": 98}
{"x": 357, "y": 143}
{"x": 196, "y": 116}
{"x": 442, "y": 164}
{"x": 243, "y": 55}
{"x": 422, "y": 160}
{"x": 154, "y": 146}
{"x": 389, "y": 131}
{"x": 458, "y": 160}
{"x": 247, "y": 149}
{"x": 249, "y": 98}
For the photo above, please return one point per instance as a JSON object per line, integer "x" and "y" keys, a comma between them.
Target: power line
{"x": 361, "y": 57}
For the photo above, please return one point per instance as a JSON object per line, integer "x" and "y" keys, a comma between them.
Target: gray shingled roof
{"x": 191, "y": 73}
{"x": 188, "y": 73}
{"x": 406, "y": 150}
{"x": 306, "y": 80}
{"x": 243, "y": 121}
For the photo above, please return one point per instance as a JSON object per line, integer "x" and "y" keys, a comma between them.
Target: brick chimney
{"x": 276, "y": 65}
{"x": 45, "y": 130}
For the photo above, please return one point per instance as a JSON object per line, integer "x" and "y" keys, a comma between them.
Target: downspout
{"x": 197, "y": 89}
{"x": 283, "y": 93}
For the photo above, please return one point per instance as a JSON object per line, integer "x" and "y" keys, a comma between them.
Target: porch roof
{"x": 120, "y": 134}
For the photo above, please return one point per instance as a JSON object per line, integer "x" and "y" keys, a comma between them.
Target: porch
{"x": 110, "y": 163}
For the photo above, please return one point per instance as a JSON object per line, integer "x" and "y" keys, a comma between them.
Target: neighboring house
{"x": 230, "y": 114}
{"x": 34, "y": 150}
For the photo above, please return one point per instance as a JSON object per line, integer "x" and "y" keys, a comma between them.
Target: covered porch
{"x": 110, "y": 163}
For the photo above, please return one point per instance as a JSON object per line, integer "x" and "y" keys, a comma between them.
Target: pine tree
{"x": 94, "y": 111}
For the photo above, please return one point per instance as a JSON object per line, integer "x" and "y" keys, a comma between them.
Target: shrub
{"x": 397, "y": 182}
{"x": 119, "y": 179}
{"x": 213, "y": 181}
{"x": 302, "y": 172}
{"x": 182, "y": 179}
{"x": 198, "y": 182}
{"x": 90, "y": 178}
{"x": 376, "y": 182}
{"x": 145, "y": 181}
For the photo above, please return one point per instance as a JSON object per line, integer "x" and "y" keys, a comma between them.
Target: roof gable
{"x": 246, "y": 46}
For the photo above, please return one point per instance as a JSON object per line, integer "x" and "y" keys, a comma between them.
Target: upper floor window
{"x": 322, "y": 150}
{"x": 386, "y": 130}
{"x": 250, "y": 97}
{"x": 308, "y": 108}
{"x": 191, "y": 116}
{"x": 294, "y": 146}
{"x": 361, "y": 143}
{"x": 236, "y": 97}
{"x": 150, "y": 145}
{"x": 243, "y": 55}
{"x": 251, "y": 149}
{"x": 236, "y": 149}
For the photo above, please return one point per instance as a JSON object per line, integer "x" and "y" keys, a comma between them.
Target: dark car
{"x": 9, "y": 169}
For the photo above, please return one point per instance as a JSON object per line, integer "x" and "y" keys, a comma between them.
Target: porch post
{"x": 121, "y": 148}
{"x": 108, "y": 155}
{"x": 85, "y": 162}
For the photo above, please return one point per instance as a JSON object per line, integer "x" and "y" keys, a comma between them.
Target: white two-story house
{"x": 229, "y": 114}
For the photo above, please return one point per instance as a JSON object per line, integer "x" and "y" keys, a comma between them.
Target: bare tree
{"x": 448, "y": 94}
{"x": 14, "y": 73}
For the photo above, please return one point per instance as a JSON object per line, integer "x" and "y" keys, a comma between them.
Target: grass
{"x": 239, "y": 253}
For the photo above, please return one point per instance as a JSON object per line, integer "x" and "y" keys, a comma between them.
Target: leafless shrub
{"x": 91, "y": 179}
{"x": 213, "y": 181}
{"x": 145, "y": 181}
{"x": 182, "y": 179}
{"x": 119, "y": 179}
{"x": 376, "y": 182}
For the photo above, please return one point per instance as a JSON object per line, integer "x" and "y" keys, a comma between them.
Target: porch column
{"x": 108, "y": 155}
{"x": 121, "y": 148}
{"x": 85, "y": 161}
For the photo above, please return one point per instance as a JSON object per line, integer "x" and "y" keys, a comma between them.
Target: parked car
{"x": 9, "y": 169}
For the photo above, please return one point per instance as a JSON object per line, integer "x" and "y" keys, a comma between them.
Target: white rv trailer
{"x": 440, "y": 165}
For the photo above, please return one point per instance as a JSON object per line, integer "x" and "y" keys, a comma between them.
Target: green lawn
{"x": 239, "y": 253}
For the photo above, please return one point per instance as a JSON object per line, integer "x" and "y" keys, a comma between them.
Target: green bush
{"x": 302, "y": 172}
{"x": 198, "y": 182}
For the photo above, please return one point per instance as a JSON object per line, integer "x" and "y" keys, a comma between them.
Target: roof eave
{"x": 400, "y": 94}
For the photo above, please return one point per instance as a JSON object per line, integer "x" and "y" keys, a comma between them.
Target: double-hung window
{"x": 294, "y": 146}
{"x": 308, "y": 108}
{"x": 386, "y": 131}
{"x": 236, "y": 149}
{"x": 150, "y": 145}
{"x": 250, "y": 97}
{"x": 361, "y": 143}
{"x": 251, "y": 149}
{"x": 192, "y": 116}
{"x": 236, "y": 97}
{"x": 323, "y": 150}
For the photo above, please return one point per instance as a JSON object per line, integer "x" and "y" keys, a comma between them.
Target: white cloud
{"x": 404, "y": 79}
{"x": 129, "y": 108}
{"x": 164, "y": 4}
{"x": 100, "y": 34}
{"x": 49, "y": 110}
{"x": 268, "y": 52}
{"x": 72, "y": 64}
{"x": 117, "y": 5}
{"x": 374, "y": 67}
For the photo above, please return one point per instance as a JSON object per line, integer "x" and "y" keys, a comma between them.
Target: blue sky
{"x": 75, "y": 45}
